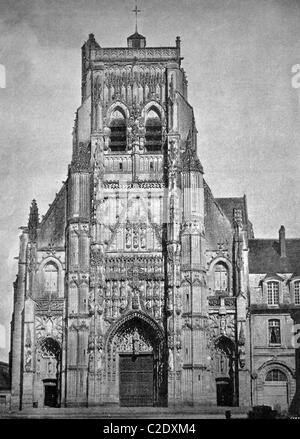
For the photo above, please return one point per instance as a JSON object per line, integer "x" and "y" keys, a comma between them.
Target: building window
{"x": 297, "y": 292}
{"x": 274, "y": 332}
{"x": 153, "y": 134}
{"x": 118, "y": 132}
{"x": 276, "y": 375}
{"x": 51, "y": 278}
{"x": 221, "y": 277}
{"x": 186, "y": 290}
{"x": 273, "y": 293}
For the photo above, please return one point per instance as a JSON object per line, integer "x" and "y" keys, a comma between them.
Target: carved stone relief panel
{"x": 47, "y": 326}
{"x": 129, "y": 224}
{"x": 220, "y": 325}
{"x": 134, "y": 294}
{"x": 133, "y": 341}
{"x": 134, "y": 85}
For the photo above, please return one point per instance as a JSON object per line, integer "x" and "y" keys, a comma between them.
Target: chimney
{"x": 282, "y": 244}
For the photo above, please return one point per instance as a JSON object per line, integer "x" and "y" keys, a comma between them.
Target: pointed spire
{"x": 33, "y": 221}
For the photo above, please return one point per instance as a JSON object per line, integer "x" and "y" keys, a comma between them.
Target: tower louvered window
{"x": 153, "y": 132}
{"x": 118, "y": 132}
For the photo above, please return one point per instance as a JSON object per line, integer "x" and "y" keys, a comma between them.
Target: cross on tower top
{"x": 136, "y": 11}
{"x": 136, "y": 41}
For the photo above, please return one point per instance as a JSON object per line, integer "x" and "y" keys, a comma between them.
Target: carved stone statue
{"x": 171, "y": 360}
{"x": 91, "y": 303}
{"x": 91, "y": 361}
{"x": 128, "y": 235}
{"x": 28, "y": 360}
{"x": 99, "y": 359}
{"x": 135, "y": 238}
{"x": 143, "y": 237}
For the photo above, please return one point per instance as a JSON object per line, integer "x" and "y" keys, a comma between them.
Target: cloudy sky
{"x": 238, "y": 56}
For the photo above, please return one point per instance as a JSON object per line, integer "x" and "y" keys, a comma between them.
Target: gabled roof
{"x": 229, "y": 204}
{"x": 218, "y": 228}
{"x": 52, "y": 226}
{"x": 264, "y": 256}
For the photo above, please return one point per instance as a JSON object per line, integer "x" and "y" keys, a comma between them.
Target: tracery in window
{"x": 220, "y": 277}
{"x": 51, "y": 278}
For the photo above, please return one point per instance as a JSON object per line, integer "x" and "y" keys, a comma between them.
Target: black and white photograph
{"x": 149, "y": 212}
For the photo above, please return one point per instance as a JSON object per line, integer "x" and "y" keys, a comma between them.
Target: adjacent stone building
{"x": 138, "y": 287}
{"x": 274, "y": 305}
{"x": 4, "y": 386}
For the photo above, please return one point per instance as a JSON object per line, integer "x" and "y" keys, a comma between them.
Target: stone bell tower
{"x": 130, "y": 134}
{"x": 125, "y": 287}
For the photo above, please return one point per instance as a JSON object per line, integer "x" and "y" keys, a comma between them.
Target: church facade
{"x": 138, "y": 287}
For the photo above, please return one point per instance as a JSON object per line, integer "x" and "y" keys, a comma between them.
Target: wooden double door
{"x": 224, "y": 391}
{"x": 136, "y": 380}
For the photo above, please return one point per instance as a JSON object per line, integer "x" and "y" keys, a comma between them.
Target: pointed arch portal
{"x": 48, "y": 369}
{"x": 136, "y": 369}
{"x": 225, "y": 371}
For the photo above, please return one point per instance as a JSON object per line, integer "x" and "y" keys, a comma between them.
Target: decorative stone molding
{"x": 49, "y": 307}
{"x": 127, "y": 54}
{"x": 48, "y": 326}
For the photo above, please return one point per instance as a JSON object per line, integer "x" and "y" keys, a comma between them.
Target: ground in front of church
{"x": 128, "y": 413}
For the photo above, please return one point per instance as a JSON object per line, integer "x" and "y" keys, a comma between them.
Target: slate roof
{"x": 229, "y": 204}
{"x": 264, "y": 256}
{"x": 136, "y": 36}
{"x": 52, "y": 226}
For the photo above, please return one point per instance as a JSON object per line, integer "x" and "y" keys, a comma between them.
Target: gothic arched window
{"x": 153, "y": 132}
{"x": 221, "y": 277}
{"x": 118, "y": 132}
{"x": 274, "y": 332}
{"x": 51, "y": 278}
